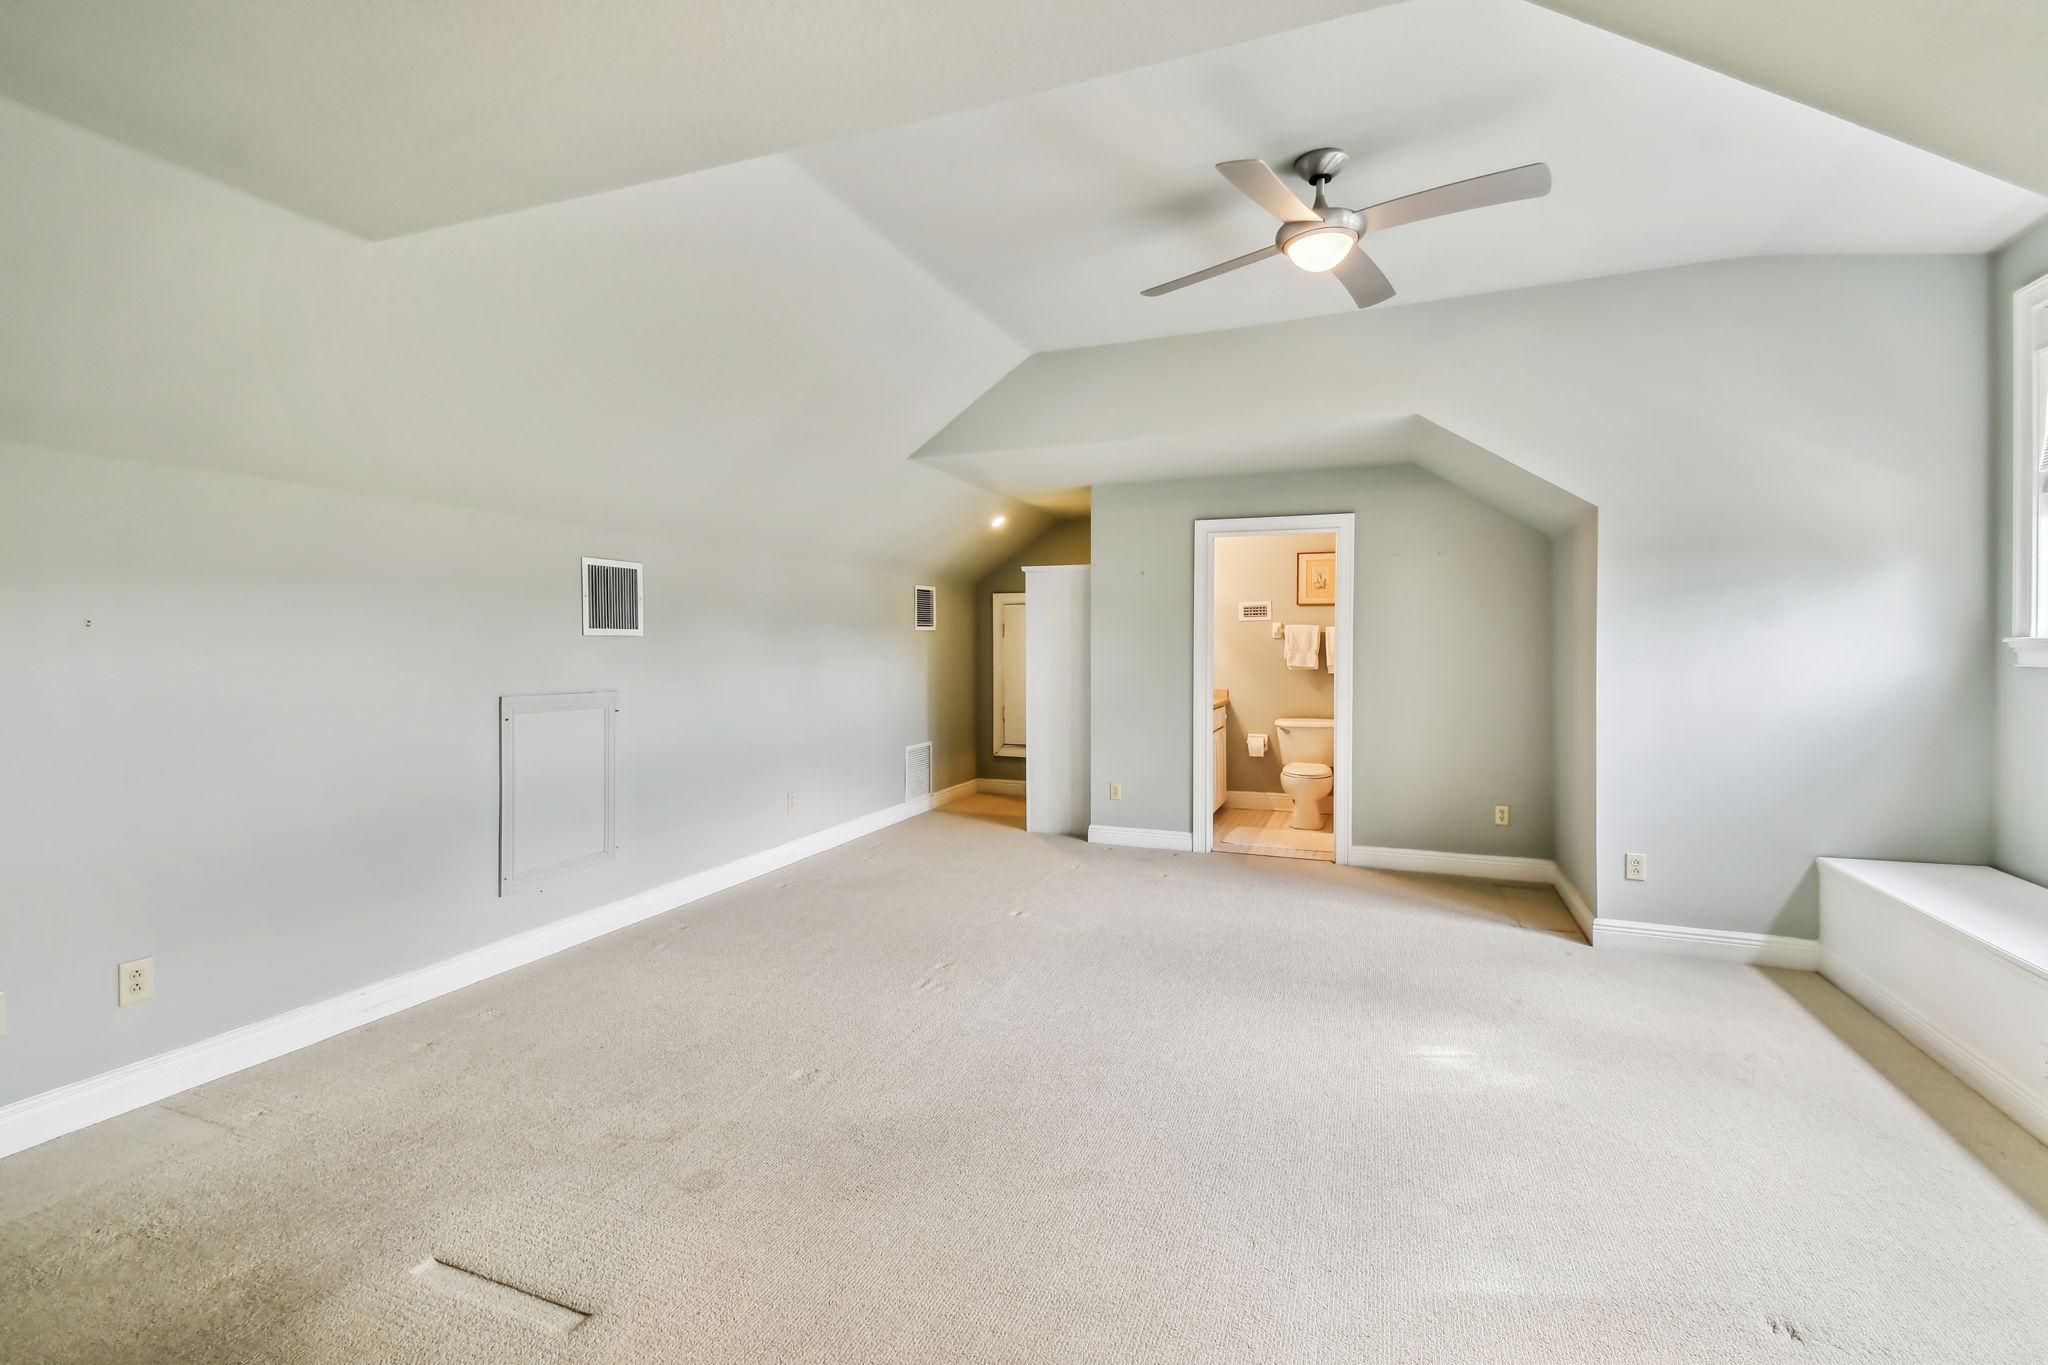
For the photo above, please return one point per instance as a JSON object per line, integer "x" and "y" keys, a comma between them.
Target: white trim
{"x": 1486, "y": 866}
{"x": 1123, "y": 836}
{"x": 2031, "y": 649}
{"x": 1977, "y": 1071}
{"x": 37, "y": 1119}
{"x": 509, "y": 710}
{"x": 1000, "y": 786}
{"x": 1202, "y": 802}
{"x": 2029, "y": 385}
{"x": 1574, "y": 902}
{"x": 996, "y": 602}
{"x": 1722, "y": 945}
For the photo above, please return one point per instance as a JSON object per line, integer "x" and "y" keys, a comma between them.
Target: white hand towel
{"x": 1330, "y": 648}
{"x": 1301, "y": 646}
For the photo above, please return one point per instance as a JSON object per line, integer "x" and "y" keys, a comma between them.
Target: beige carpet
{"x": 959, "y": 1094}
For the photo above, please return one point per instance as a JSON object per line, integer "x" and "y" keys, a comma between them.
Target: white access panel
{"x": 555, "y": 784}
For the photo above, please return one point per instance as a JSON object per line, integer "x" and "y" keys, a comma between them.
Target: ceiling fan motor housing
{"x": 1349, "y": 220}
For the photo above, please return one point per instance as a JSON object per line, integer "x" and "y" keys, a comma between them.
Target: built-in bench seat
{"x": 1956, "y": 958}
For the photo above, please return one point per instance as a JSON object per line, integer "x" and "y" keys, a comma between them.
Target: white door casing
{"x": 1007, "y": 627}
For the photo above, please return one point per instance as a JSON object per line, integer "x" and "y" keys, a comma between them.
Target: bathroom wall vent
{"x": 917, "y": 771}
{"x": 1255, "y": 611}
{"x": 611, "y": 597}
{"x": 926, "y": 611}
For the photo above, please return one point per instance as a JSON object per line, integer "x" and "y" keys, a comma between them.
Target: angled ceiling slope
{"x": 1059, "y": 478}
{"x": 1961, "y": 78}
{"x": 390, "y": 116}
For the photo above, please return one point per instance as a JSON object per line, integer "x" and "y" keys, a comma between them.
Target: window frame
{"x": 2029, "y": 396}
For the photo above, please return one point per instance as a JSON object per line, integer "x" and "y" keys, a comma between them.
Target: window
{"x": 2030, "y": 474}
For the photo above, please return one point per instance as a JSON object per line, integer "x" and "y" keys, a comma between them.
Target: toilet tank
{"x": 1306, "y": 739}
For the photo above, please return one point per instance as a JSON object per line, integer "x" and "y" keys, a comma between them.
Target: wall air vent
{"x": 611, "y": 597}
{"x": 1255, "y": 611}
{"x": 917, "y": 772}
{"x": 927, "y": 608}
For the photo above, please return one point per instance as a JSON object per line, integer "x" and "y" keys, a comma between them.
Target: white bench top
{"x": 2001, "y": 911}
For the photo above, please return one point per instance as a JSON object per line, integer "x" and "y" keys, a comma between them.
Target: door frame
{"x": 1207, "y": 532}
{"x": 997, "y": 601}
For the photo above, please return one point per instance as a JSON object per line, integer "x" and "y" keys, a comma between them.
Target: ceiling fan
{"x": 1321, "y": 238}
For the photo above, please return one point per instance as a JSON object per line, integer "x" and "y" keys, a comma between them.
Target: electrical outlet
{"x": 1632, "y": 867}
{"x": 1500, "y": 815}
{"x": 860, "y": 784}
{"x": 137, "y": 981}
{"x": 1116, "y": 791}
{"x": 792, "y": 803}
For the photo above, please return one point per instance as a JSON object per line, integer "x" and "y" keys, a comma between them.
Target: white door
{"x": 1056, "y": 674}
{"x": 1009, "y": 673}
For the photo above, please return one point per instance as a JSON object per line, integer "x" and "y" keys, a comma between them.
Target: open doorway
{"x": 1273, "y": 686}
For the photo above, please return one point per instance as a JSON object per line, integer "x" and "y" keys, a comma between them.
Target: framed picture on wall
{"x": 1315, "y": 578}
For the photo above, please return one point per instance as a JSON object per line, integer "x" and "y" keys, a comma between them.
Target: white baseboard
{"x": 1574, "y": 902}
{"x": 1977, "y": 1071}
{"x": 1001, "y": 786}
{"x": 37, "y": 1119}
{"x": 1175, "y": 840}
{"x": 1722, "y": 945}
{"x": 1490, "y": 866}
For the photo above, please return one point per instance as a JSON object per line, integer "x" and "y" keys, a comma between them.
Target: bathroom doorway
{"x": 1272, "y": 703}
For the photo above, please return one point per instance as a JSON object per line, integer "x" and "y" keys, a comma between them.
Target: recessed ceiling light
{"x": 998, "y": 521}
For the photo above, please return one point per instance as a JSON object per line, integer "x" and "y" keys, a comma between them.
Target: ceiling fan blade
{"x": 1364, "y": 281}
{"x": 1236, "y": 263}
{"x": 1501, "y": 187}
{"x": 1267, "y": 190}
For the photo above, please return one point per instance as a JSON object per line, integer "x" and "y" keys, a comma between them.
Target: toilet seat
{"x": 1306, "y": 770}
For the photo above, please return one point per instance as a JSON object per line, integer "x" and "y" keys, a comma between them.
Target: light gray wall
{"x": 1451, "y": 702}
{"x": 244, "y": 446}
{"x": 1063, "y": 542}
{"x": 1251, "y": 663}
{"x": 2022, "y": 777}
{"x": 1788, "y": 458}
{"x": 1574, "y": 587}
{"x": 270, "y": 762}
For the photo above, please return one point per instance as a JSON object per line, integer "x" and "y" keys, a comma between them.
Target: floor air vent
{"x": 611, "y": 597}
{"x": 927, "y": 608}
{"x": 917, "y": 771}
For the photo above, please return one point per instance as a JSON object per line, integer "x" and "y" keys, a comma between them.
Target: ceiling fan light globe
{"x": 1319, "y": 249}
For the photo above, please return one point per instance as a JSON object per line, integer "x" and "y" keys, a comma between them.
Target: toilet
{"x": 1306, "y": 746}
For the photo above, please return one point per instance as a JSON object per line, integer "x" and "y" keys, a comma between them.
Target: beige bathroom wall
{"x": 1250, "y": 662}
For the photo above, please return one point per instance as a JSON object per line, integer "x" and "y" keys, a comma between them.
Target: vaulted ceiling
{"x": 620, "y": 318}
{"x": 1050, "y": 212}
{"x": 390, "y": 116}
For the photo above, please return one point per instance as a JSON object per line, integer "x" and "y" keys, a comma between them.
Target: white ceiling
{"x": 389, "y": 116}
{"x": 1050, "y": 212}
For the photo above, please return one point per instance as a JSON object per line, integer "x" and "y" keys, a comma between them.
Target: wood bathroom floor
{"x": 1265, "y": 834}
